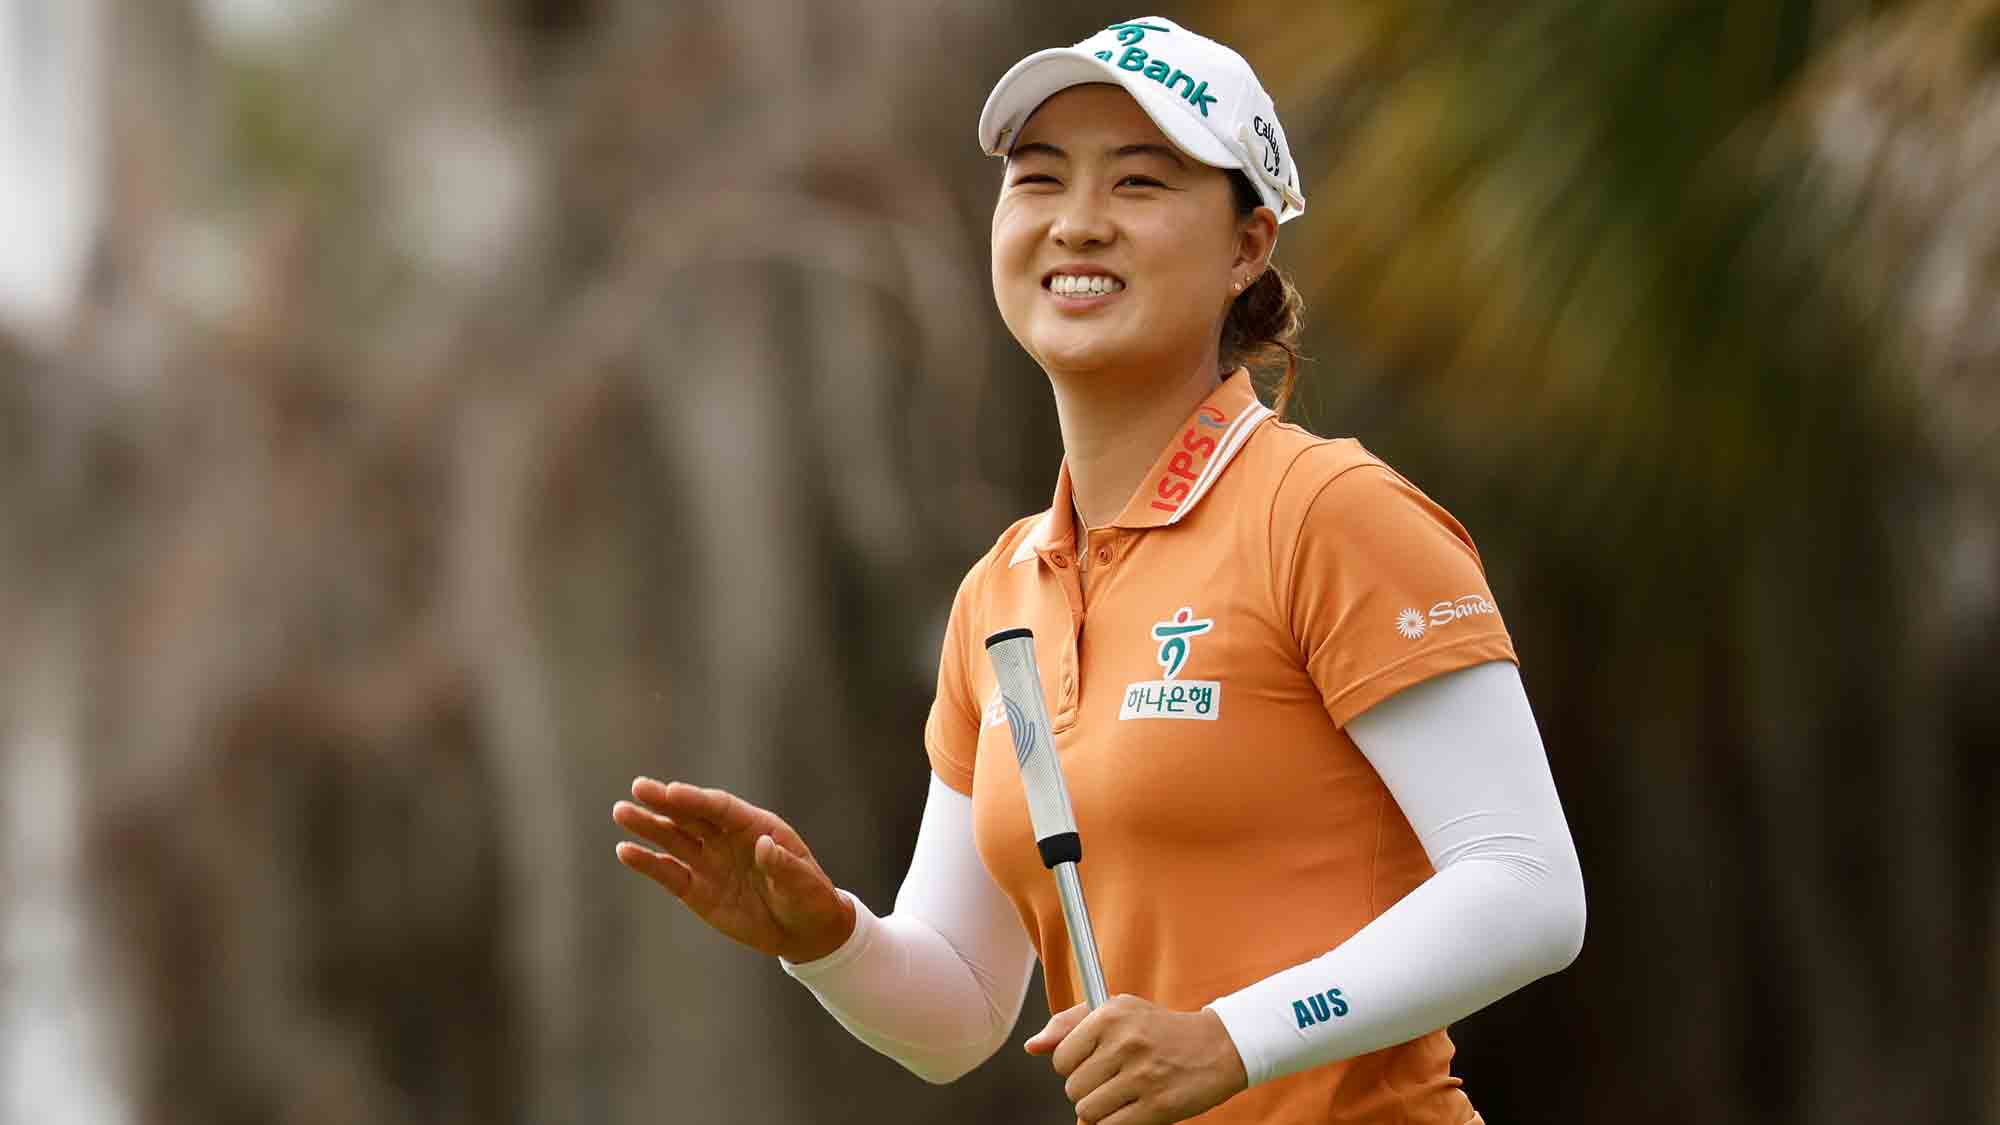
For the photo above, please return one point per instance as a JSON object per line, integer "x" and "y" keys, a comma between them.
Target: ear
{"x": 1256, "y": 239}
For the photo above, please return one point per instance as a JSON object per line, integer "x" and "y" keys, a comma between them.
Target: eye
{"x": 1142, "y": 181}
{"x": 1034, "y": 178}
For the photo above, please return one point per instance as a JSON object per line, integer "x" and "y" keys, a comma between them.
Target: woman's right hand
{"x": 737, "y": 867}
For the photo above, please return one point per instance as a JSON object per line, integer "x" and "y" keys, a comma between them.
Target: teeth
{"x": 1071, "y": 285}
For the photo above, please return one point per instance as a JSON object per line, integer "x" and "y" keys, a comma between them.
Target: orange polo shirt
{"x": 1263, "y": 587}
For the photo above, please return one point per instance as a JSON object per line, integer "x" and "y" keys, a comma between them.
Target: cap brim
{"x": 1044, "y": 74}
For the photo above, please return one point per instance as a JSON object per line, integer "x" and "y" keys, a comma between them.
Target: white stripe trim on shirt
{"x": 1037, "y": 535}
{"x": 1232, "y": 440}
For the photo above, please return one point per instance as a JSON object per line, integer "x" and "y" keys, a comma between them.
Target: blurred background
{"x": 418, "y": 419}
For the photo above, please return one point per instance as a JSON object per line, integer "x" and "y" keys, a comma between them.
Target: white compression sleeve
{"x": 1462, "y": 757}
{"x": 938, "y": 984}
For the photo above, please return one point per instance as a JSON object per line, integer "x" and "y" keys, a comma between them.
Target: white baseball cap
{"x": 1201, "y": 94}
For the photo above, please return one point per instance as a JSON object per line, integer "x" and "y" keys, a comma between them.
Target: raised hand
{"x": 739, "y": 868}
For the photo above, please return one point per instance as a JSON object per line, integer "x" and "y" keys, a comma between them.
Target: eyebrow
{"x": 1043, "y": 148}
{"x": 1151, "y": 150}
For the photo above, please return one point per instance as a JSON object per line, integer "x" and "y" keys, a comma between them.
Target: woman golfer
{"x": 1320, "y": 821}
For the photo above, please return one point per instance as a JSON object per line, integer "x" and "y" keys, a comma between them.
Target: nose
{"x": 1081, "y": 223}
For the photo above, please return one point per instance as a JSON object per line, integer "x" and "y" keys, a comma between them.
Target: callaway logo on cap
{"x": 1201, "y": 94}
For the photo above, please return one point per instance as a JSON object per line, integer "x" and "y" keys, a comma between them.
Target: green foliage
{"x": 1585, "y": 272}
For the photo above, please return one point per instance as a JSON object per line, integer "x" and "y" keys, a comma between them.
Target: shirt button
{"x": 1104, "y": 554}
{"x": 1061, "y": 561}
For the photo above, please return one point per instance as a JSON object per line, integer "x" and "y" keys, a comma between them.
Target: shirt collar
{"x": 1184, "y": 473}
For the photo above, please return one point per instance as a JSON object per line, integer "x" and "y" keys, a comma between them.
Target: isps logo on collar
{"x": 1173, "y": 697}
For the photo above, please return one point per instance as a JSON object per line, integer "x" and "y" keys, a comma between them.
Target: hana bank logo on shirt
{"x": 1173, "y": 697}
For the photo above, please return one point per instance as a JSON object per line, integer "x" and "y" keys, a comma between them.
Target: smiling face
{"x": 1113, "y": 251}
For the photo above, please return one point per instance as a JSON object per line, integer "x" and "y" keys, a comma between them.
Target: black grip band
{"x": 1008, "y": 635}
{"x": 1063, "y": 847}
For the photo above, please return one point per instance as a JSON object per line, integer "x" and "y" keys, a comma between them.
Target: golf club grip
{"x": 1012, "y": 652}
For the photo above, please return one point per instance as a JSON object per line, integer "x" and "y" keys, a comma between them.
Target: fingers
{"x": 711, "y": 812}
{"x": 1059, "y": 1026}
{"x": 1132, "y": 1062}
{"x": 1133, "y": 1109}
{"x": 1117, "y": 1102}
{"x": 774, "y": 867}
{"x": 1082, "y": 1039}
{"x": 1094, "y": 1029}
{"x": 1090, "y": 1068}
{"x": 793, "y": 881}
{"x": 815, "y": 916}
{"x": 662, "y": 869}
{"x": 697, "y": 810}
{"x": 1084, "y": 1084}
{"x": 658, "y": 829}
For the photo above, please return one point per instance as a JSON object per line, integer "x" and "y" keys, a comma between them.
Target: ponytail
{"x": 1261, "y": 331}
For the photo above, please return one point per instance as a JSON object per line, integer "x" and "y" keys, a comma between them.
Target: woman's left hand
{"x": 1132, "y": 1062}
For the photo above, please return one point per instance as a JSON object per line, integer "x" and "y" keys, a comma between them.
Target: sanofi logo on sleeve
{"x": 1412, "y": 624}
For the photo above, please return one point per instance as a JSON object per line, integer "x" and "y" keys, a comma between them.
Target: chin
{"x": 1075, "y": 350}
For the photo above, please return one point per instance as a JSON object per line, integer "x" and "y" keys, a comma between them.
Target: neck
{"x": 1113, "y": 430}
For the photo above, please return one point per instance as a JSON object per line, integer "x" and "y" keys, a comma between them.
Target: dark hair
{"x": 1261, "y": 331}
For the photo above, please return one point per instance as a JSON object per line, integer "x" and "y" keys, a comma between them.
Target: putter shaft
{"x": 1081, "y": 940}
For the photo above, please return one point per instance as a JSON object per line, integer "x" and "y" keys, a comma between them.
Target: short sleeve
{"x": 951, "y": 734}
{"x": 1382, "y": 587}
